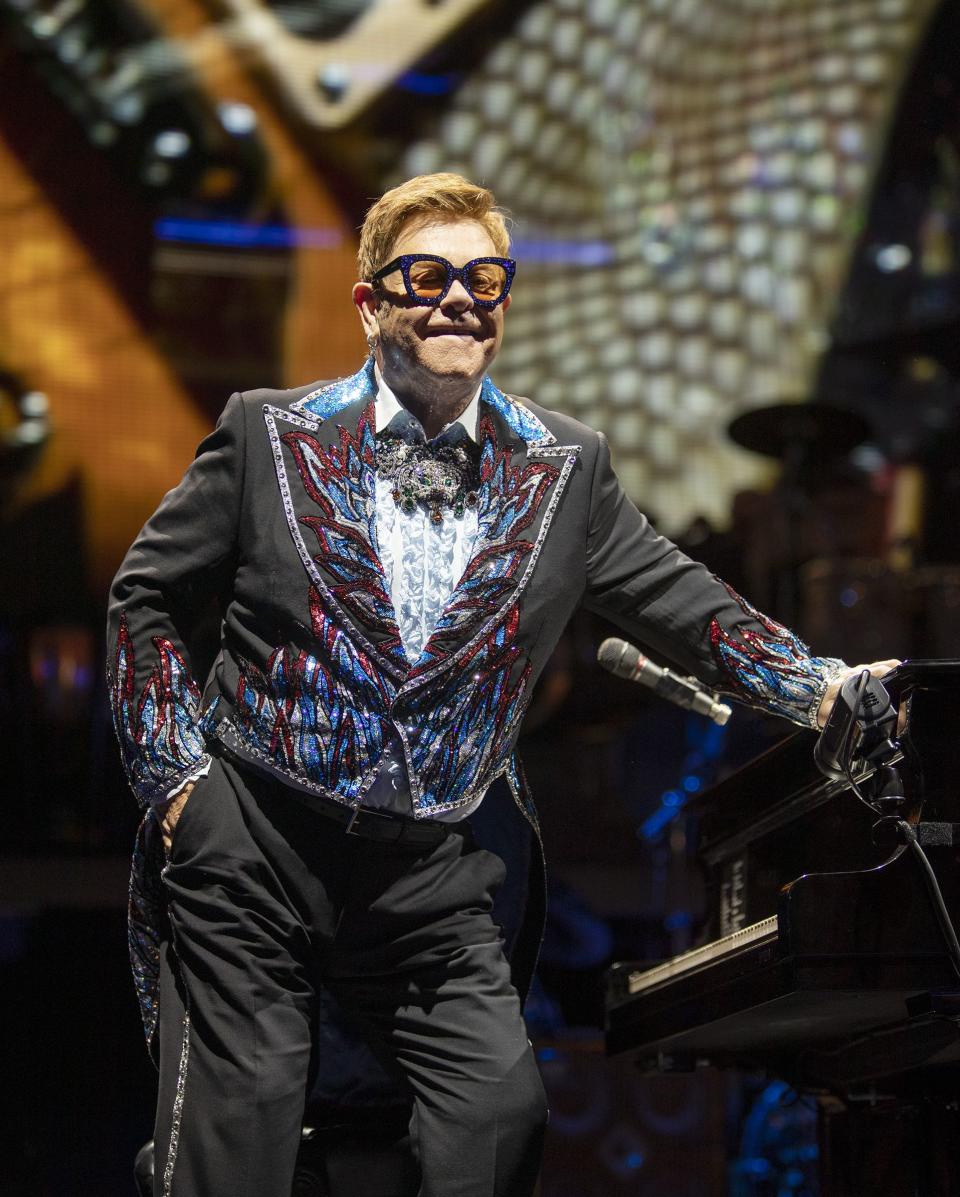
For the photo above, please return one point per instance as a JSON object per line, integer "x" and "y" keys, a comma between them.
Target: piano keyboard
{"x": 641, "y": 980}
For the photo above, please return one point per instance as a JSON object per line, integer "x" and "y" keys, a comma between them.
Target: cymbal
{"x": 775, "y": 430}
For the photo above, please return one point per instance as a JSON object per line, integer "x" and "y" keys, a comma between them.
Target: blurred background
{"x": 737, "y": 227}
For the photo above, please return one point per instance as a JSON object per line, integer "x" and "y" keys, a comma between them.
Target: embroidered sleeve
{"x": 771, "y": 667}
{"x": 179, "y": 563}
{"x": 158, "y": 728}
{"x": 675, "y": 607}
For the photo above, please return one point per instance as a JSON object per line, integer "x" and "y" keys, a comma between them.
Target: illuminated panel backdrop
{"x": 687, "y": 178}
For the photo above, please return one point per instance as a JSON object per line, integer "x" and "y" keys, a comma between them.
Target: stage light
{"x": 132, "y": 91}
{"x": 34, "y": 405}
{"x": 24, "y": 427}
{"x": 171, "y": 143}
{"x": 334, "y": 79}
{"x": 891, "y": 258}
{"x": 237, "y": 118}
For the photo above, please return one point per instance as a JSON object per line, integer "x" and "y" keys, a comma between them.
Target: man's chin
{"x": 455, "y": 361}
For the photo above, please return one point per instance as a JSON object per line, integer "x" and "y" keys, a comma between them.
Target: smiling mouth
{"x": 474, "y": 333}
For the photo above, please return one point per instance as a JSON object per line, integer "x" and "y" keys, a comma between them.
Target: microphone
{"x": 628, "y": 662}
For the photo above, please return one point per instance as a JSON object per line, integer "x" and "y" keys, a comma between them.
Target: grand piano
{"x": 824, "y": 960}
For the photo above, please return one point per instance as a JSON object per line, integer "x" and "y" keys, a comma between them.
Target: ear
{"x": 365, "y": 299}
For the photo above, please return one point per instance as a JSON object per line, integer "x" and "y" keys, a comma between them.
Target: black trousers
{"x": 269, "y": 900}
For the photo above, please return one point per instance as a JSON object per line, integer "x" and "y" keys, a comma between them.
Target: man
{"x": 395, "y": 555}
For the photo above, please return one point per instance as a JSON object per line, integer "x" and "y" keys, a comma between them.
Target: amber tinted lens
{"x": 487, "y": 280}
{"x": 428, "y": 279}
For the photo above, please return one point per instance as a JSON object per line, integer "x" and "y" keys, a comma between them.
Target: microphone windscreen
{"x": 619, "y": 657}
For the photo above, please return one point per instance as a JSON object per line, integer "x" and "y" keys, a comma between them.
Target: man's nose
{"x": 458, "y": 297}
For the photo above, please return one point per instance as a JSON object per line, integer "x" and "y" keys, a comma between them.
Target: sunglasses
{"x": 428, "y": 278}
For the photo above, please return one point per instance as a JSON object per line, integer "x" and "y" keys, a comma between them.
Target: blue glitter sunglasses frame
{"x": 454, "y": 273}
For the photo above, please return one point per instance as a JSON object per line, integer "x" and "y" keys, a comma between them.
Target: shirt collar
{"x": 387, "y": 405}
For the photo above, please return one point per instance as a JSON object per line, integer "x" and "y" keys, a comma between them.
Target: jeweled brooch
{"x": 440, "y": 477}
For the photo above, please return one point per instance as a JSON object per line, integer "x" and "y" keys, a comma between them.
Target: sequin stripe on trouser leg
{"x": 176, "y": 1112}
{"x": 176, "y": 1115}
{"x": 177, "y": 1109}
{"x": 242, "y": 972}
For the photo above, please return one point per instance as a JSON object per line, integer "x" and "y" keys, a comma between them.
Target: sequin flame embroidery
{"x": 467, "y": 733}
{"x": 774, "y": 670}
{"x": 321, "y": 717}
{"x": 159, "y": 734}
{"x": 340, "y": 481}
{"x": 508, "y": 502}
{"x": 145, "y": 913}
{"x": 316, "y": 716}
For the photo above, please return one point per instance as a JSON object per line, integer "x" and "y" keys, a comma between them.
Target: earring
{"x": 372, "y": 341}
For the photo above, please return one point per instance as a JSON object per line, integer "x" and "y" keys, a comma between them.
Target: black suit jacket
{"x": 275, "y": 519}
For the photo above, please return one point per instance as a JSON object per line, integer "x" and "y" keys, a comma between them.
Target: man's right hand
{"x": 168, "y": 814}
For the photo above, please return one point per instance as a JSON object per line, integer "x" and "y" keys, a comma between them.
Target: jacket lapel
{"x": 324, "y": 455}
{"x": 523, "y": 473}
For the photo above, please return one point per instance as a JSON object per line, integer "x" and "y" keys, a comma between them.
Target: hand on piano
{"x": 879, "y": 669}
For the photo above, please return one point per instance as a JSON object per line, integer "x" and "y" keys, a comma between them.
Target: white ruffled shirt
{"x": 423, "y": 563}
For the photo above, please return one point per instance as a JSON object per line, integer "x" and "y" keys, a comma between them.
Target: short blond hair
{"x": 440, "y": 197}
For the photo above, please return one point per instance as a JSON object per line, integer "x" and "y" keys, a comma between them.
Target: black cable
{"x": 936, "y": 895}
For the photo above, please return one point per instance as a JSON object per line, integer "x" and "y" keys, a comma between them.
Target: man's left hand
{"x": 877, "y": 668}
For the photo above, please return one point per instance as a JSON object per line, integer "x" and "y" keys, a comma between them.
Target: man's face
{"x": 418, "y": 346}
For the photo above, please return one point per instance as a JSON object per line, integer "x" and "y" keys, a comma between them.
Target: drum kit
{"x": 865, "y": 594}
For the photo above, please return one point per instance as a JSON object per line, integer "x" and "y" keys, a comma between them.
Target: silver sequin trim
{"x": 201, "y": 769}
{"x": 177, "y": 1108}
{"x": 821, "y": 687}
{"x": 233, "y": 737}
{"x": 516, "y": 791}
{"x": 542, "y": 449}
